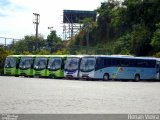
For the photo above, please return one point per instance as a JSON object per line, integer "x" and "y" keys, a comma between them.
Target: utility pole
{"x": 13, "y": 42}
{"x": 5, "y": 43}
{"x": 36, "y": 21}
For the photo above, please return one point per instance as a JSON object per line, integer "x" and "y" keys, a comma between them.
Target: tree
{"x": 88, "y": 25}
{"x": 142, "y": 12}
{"x": 123, "y": 45}
{"x": 3, "y": 54}
{"x": 140, "y": 42}
{"x": 28, "y": 44}
{"x": 108, "y": 19}
{"x": 54, "y": 42}
{"x": 155, "y": 42}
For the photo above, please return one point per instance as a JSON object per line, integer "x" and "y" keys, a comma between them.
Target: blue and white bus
{"x": 119, "y": 67}
{"x": 158, "y": 68}
{"x": 71, "y": 69}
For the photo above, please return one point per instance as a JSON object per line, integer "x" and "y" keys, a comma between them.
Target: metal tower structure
{"x": 72, "y": 21}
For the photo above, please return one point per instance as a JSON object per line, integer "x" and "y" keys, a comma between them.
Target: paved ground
{"x": 37, "y": 95}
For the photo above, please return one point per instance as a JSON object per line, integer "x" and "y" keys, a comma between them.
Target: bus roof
{"x": 57, "y": 56}
{"x": 123, "y": 56}
{"x": 79, "y": 56}
{"x": 14, "y": 55}
{"x": 158, "y": 59}
{"x": 28, "y": 56}
{"x": 47, "y": 56}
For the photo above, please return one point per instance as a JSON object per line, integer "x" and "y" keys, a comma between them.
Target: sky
{"x": 16, "y": 16}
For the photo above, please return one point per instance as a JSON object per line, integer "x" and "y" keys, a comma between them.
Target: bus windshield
{"x": 25, "y": 63}
{"x": 87, "y": 64}
{"x": 40, "y": 63}
{"x": 54, "y": 63}
{"x": 72, "y": 64}
{"x": 10, "y": 62}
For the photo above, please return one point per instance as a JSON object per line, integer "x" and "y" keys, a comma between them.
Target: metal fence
{"x": 4, "y": 41}
{"x": 8, "y": 44}
{"x": 77, "y": 49}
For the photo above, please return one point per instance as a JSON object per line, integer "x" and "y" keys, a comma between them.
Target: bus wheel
{"x": 106, "y": 77}
{"x": 137, "y": 78}
{"x": 53, "y": 76}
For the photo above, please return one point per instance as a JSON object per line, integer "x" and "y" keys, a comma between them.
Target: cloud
{"x": 9, "y": 8}
{"x": 2, "y": 15}
{"x": 4, "y": 3}
{"x": 16, "y": 16}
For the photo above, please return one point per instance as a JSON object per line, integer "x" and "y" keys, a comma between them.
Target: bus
{"x": 158, "y": 68}
{"x": 11, "y": 65}
{"x": 55, "y": 68}
{"x": 26, "y": 65}
{"x": 71, "y": 69}
{"x": 118, "y": 67}
{"x": 40, "y": 65}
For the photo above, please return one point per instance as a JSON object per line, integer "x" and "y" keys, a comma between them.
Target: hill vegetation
{"x": 130, "y": 27}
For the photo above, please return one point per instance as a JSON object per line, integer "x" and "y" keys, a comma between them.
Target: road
{"x": 39, "y": 95}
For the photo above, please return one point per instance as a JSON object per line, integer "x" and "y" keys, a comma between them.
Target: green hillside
{"x": 129, "y": 27}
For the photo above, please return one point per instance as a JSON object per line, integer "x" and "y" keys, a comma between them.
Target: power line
{"x": 5, "y": 40}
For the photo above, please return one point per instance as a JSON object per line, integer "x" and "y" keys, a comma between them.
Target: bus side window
{"x": 17, "y": 63}
{"x": 125, "y": 63}
{"x": 140, "y": 63}
{"x": 99, "y": 63}
{"x": 62, "y": 64}
{"x": 116, "y": 62}
{"x": 158, "y": 67}
{"x": 107, "y": 62}
{"x": 32, "y": 63}
{"x": 132, "y": 63}
{"x": 45, "y": 63}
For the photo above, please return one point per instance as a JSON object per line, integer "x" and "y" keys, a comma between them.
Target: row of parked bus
{"x": 104, "y": 67}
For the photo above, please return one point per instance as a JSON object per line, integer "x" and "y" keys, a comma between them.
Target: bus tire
{"x": 31, "y": 76}
{"x": 106, "y": 77}
{"x": 53, "y": 77}
{"x": 137, "y": 78}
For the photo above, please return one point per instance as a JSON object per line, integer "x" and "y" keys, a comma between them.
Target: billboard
{"x": 75, "y": 16}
